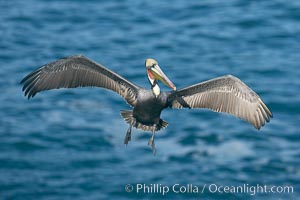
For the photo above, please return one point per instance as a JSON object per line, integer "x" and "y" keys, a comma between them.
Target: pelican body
{"x": 223, "y": 94}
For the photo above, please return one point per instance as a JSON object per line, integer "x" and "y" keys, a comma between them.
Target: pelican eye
{"x": 151, "y": 66}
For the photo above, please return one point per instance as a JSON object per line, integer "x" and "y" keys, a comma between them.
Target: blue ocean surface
{"x": 68, "y": 143}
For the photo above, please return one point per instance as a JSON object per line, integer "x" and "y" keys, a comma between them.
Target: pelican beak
{"x": 159, "y": 75}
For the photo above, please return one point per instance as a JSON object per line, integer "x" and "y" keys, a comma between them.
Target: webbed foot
{"x": 128, "y": 136}
{"x": 151, "y": 142}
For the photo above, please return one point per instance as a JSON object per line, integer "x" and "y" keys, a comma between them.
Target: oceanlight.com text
{"x": 164, "y": 189}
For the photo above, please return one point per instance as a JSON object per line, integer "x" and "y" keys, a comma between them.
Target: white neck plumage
{"x": 156, "y": 90}
{"x": 154, "y": 86}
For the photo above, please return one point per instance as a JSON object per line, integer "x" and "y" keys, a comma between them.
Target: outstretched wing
{"x": 224, "y": 94}
{"x": 78, "y": 71}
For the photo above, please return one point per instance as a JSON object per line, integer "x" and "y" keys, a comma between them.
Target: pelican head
{"x": 154, "y": 74}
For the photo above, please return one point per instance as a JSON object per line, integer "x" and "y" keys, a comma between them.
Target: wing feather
{"x": 225, "y": 94}
{"x": 78, "y": 71}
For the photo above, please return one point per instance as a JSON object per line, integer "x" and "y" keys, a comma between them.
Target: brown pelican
{"x": 223, "y": 94}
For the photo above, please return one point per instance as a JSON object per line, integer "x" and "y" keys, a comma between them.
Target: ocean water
{"x": 68, "y": 143}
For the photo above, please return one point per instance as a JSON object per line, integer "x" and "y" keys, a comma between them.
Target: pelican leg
{"x": 128, "y": 135}
{"x": 151, "y": 141}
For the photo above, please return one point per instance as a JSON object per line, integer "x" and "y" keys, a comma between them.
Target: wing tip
{"x": 30, "y": 80}
{"x": 29, "y": 85}
{"x": 263, "y": 115}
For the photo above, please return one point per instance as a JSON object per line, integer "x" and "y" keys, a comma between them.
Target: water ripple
{"x": 69, "y": 143}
